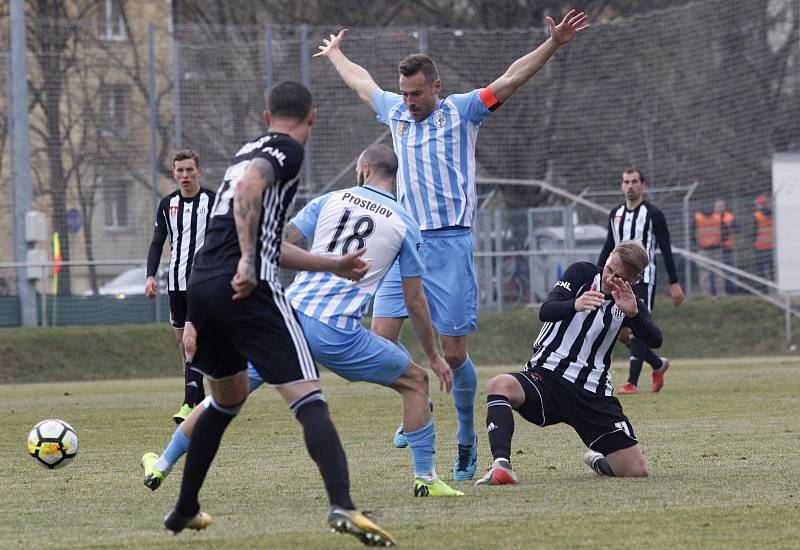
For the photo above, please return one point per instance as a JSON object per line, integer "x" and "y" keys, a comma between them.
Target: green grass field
{"x": 721, "y": 440}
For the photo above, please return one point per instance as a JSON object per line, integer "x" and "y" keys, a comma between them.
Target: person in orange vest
{"x": 727, "y": 240}
{"x": 708, "y": 238}
{"x": 764, "y": 242}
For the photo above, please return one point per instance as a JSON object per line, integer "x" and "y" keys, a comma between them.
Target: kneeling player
{"x": 567, "y": 379}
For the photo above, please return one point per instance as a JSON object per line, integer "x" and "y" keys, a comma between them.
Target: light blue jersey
{"x": 341, "y": 222}
{"x": 436, "y": 156}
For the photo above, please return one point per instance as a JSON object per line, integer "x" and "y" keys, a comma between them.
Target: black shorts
{"x": 598, "y": 419}
{"x": 646, "y": 292}
{"x": 177, "y": 308}
{"x": 261, "y": 329}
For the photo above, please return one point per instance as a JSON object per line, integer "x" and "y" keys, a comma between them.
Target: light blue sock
{"x": 465, "y": 386}
{"x": 178, "y": 447}
{"x": 423, "y": 446}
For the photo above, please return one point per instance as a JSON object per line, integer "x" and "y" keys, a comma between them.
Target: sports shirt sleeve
{"x": 609, "y": 244}
{"x": 662, "y": 238}
{"x": 383, "y": 101}
{"x": 306, "y": 220}
{"x": 560, "y": 303}
{"x": 157, "y": 243}
{"x": 643, "y": 327}
{"x": 285, "y": 155}
{"x": 412, "y": 264}
{"x": 476, "y": 105}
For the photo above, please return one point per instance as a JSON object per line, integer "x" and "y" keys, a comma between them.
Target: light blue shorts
{"x": 357, "y": 354}
{"x": 449, "y": 283}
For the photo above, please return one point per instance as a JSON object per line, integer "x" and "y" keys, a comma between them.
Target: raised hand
{"x": 330, "y": 44}
{"x": 568, "y": 28}
{"x": 623, "y": 295}
{"x": 589, "y": 300}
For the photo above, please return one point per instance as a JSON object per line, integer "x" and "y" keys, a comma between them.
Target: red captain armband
{"x": 487, "y": 97}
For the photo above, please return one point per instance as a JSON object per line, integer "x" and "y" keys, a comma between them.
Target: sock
{"x": 423, "y": 446}
{"x": 602, "y": 467}
{"x": 465, "y": 386}
{"x": 178, "y": 446}
{"x": 202, "y": 448}
{"x": 654, "y": 360}
{"x": 193, "y": 391}
{"x": 499, "y": 425}
{"x": 638, "y": 351}
{"x": 324, "y": 446}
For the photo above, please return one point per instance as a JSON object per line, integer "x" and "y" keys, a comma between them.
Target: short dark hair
{"x": 382, "y": 159}
{"x": 186, "y": 154}
{"x": 289, "y": 99}
{"x": 416, "y": 63}
{"x": 632, "y": 169}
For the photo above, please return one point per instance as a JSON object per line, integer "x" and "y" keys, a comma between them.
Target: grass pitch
{"x": 721, "y": 440}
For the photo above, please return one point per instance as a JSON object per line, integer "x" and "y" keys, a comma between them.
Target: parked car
{"x": 130, "y": 283}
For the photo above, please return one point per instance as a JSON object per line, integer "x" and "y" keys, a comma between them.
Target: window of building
{"x": 115, "y": 195}
{"x": 110, "y": 22}
{"x": 113, "y": 109}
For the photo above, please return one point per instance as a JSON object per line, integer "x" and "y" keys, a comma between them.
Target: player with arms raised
{"x": 434, "y": 140}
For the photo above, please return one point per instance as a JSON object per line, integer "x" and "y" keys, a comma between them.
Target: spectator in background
{"x": 708, "y": 238}
{"x": 764, "y": 242}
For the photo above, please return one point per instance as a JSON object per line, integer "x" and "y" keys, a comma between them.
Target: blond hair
{"x": 633, "y": 256}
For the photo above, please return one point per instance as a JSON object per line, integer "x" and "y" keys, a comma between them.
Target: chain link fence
{"x": 697, "y": 107}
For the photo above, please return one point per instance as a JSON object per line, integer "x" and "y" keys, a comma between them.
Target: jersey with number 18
{"x": 342, "y": 222}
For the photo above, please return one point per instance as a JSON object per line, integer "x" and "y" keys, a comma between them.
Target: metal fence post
{"x": 151, "y": 92}
{"x": 268, "y": 56}
{"x": 305, "y": 73}
{"x": 498, "y": 260}
{"x": 687, "y": 239}
{"x": 176, "y": 90}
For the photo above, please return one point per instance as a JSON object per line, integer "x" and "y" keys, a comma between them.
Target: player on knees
{"x": 567, "y": 379}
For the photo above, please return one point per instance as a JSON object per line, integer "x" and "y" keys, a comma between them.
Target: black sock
{"x": 193, "y": 392}
{"x": 203, "y": 447}
{"x": 654, "y": 360}
{"x": 499, "y": 425}
{"x": 325, "y": 448}
{"x": 638, "y": 351}
{"x": 602, "y": 467}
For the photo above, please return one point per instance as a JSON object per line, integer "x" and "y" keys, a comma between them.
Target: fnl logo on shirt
{"x": 563, "y": 284}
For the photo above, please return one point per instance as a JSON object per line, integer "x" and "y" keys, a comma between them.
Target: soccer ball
{"x": 53, "y": 443}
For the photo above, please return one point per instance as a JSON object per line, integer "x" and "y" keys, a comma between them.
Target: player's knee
{"x": 415, "y": 378}
{"x": 500, "y": 385}
{"x": 455, "y": 359}
{"x": 635, "y": 467}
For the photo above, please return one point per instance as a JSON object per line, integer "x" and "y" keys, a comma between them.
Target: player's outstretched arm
{"x": 355, "y": 76}
{"x": 525, "y": 67}
{"x": 420, "y": 316}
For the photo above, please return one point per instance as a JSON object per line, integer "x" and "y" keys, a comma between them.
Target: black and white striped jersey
{"x": 221, "y": 253}
{"x": 577, "y": 345}
{"x": 645, "y": 224}
{"x": 184, "y": 221}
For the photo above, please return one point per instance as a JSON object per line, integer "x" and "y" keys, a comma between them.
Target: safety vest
{"x": 708, "y": 230}
{"x": 764, "y": 234}
{"x": 727, "y": 225}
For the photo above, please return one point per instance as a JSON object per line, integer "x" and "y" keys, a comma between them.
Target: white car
{"x": 130, "y": 283}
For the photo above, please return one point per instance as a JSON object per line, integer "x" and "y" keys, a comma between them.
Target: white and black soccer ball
{"x": 53, "y": 443}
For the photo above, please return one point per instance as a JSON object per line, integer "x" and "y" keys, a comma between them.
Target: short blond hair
{"x": 633, "y": 256}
